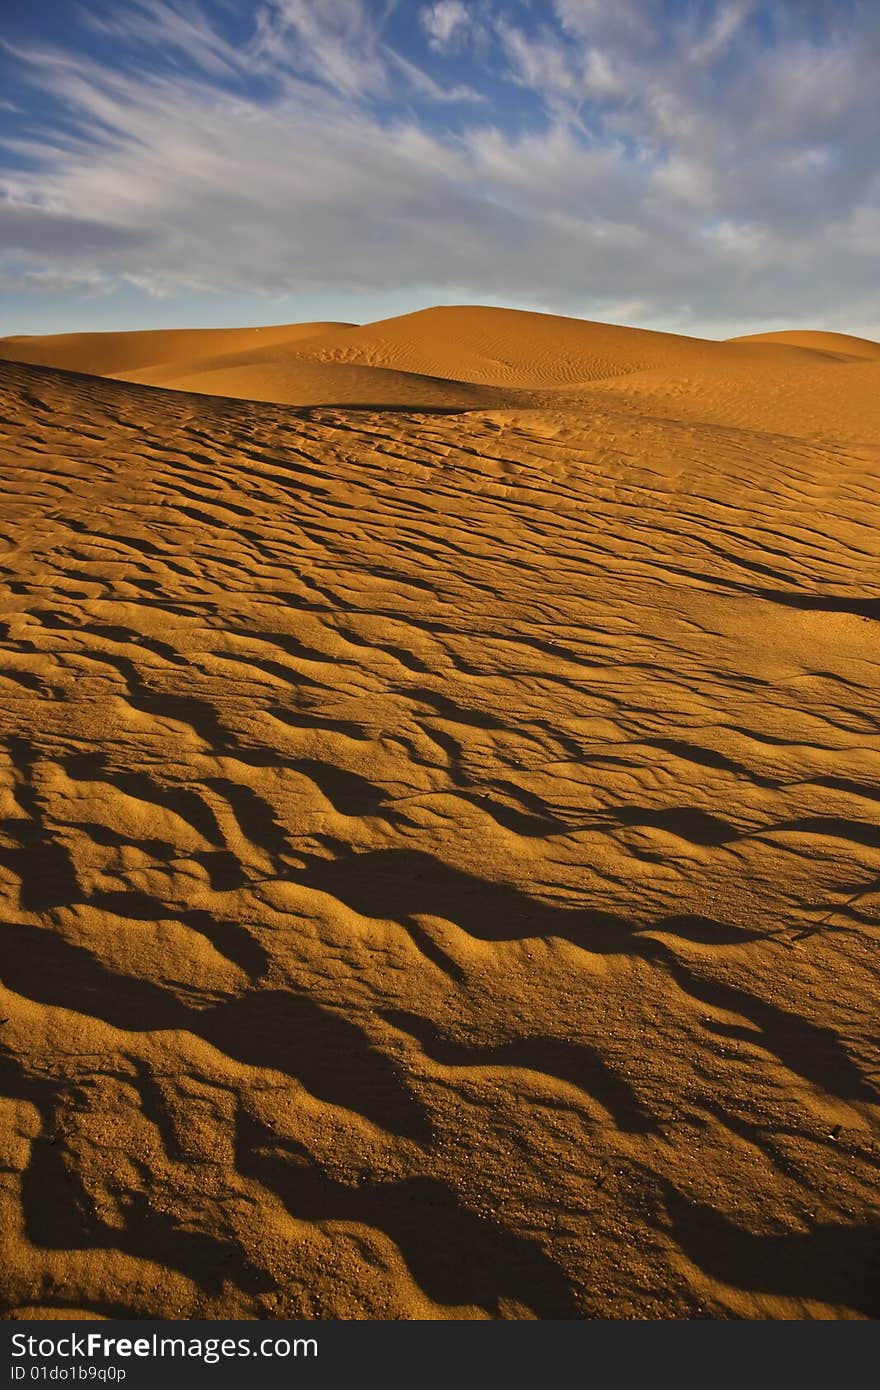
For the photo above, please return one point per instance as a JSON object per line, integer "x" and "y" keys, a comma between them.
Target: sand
{"x": 439, "y": 844}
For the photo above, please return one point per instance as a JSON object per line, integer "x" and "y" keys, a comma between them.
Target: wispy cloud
{"x": 445, "y": 21}
{"x": 335, "y": 41}
{"x": 708, "y": 166}
{"x": 183, "y": 29}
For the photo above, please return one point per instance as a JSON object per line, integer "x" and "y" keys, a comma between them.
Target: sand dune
{"x": 838, "y": 344}
{"x": 461, "y": 357}
{"x": 125, "y": 354}
{"x": 439, "y": 843}
{"x": 282, "y": 377}
{"x": 486, "y": 346}
{"x": 504, "y": 347}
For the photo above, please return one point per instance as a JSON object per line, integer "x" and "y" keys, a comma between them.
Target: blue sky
{"x": 705, "y": 166}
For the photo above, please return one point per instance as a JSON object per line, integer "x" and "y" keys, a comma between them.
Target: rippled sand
{"x": 439, "y": 840}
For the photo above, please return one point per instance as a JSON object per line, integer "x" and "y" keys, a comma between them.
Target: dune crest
{"x": 124, "y": 353}
{"x": 841, "y": 344}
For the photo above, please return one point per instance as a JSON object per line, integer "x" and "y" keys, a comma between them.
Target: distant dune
{"x": 462, "y": 357}
{"x": 838, "y": 344}
{"x": 124, "y": 354}
{"x": 439, "y": 849}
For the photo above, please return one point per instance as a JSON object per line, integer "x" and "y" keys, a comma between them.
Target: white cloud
{"x": 337, "y": 41}
{"x": 444, "y": 21}
{"x": 543, "y": 63}
{"x": 185, "y": 31}
{"x": 715, "y": 38}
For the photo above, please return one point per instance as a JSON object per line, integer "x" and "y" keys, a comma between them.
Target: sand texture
{"x": 439, "y": 844}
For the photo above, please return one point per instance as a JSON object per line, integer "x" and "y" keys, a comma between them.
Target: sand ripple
{"x": 440, "y": 858}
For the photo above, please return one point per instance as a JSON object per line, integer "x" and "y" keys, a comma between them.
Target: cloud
{"x": 28, "y": 230}
{"x": 444, "y": 21}
{"x": 689, "y": 162}
{"x": 336, "y": 41}
{"x": 48, "y": 283}
{"x": 186, "y": 32}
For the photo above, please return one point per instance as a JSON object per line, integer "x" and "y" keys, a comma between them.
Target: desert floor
{"x": 439, "y": 842}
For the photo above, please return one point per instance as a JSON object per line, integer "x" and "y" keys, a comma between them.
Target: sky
{"x": 700, "y": 166}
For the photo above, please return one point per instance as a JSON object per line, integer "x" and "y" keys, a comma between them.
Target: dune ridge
{"x": 122, "y": 353}
{"x": 462, "y": 357}
{"x": 837, "y": 344}
{"x": 439, "y": 854}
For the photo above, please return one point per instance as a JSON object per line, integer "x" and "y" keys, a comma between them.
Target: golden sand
{"x": 439, "y": 849}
